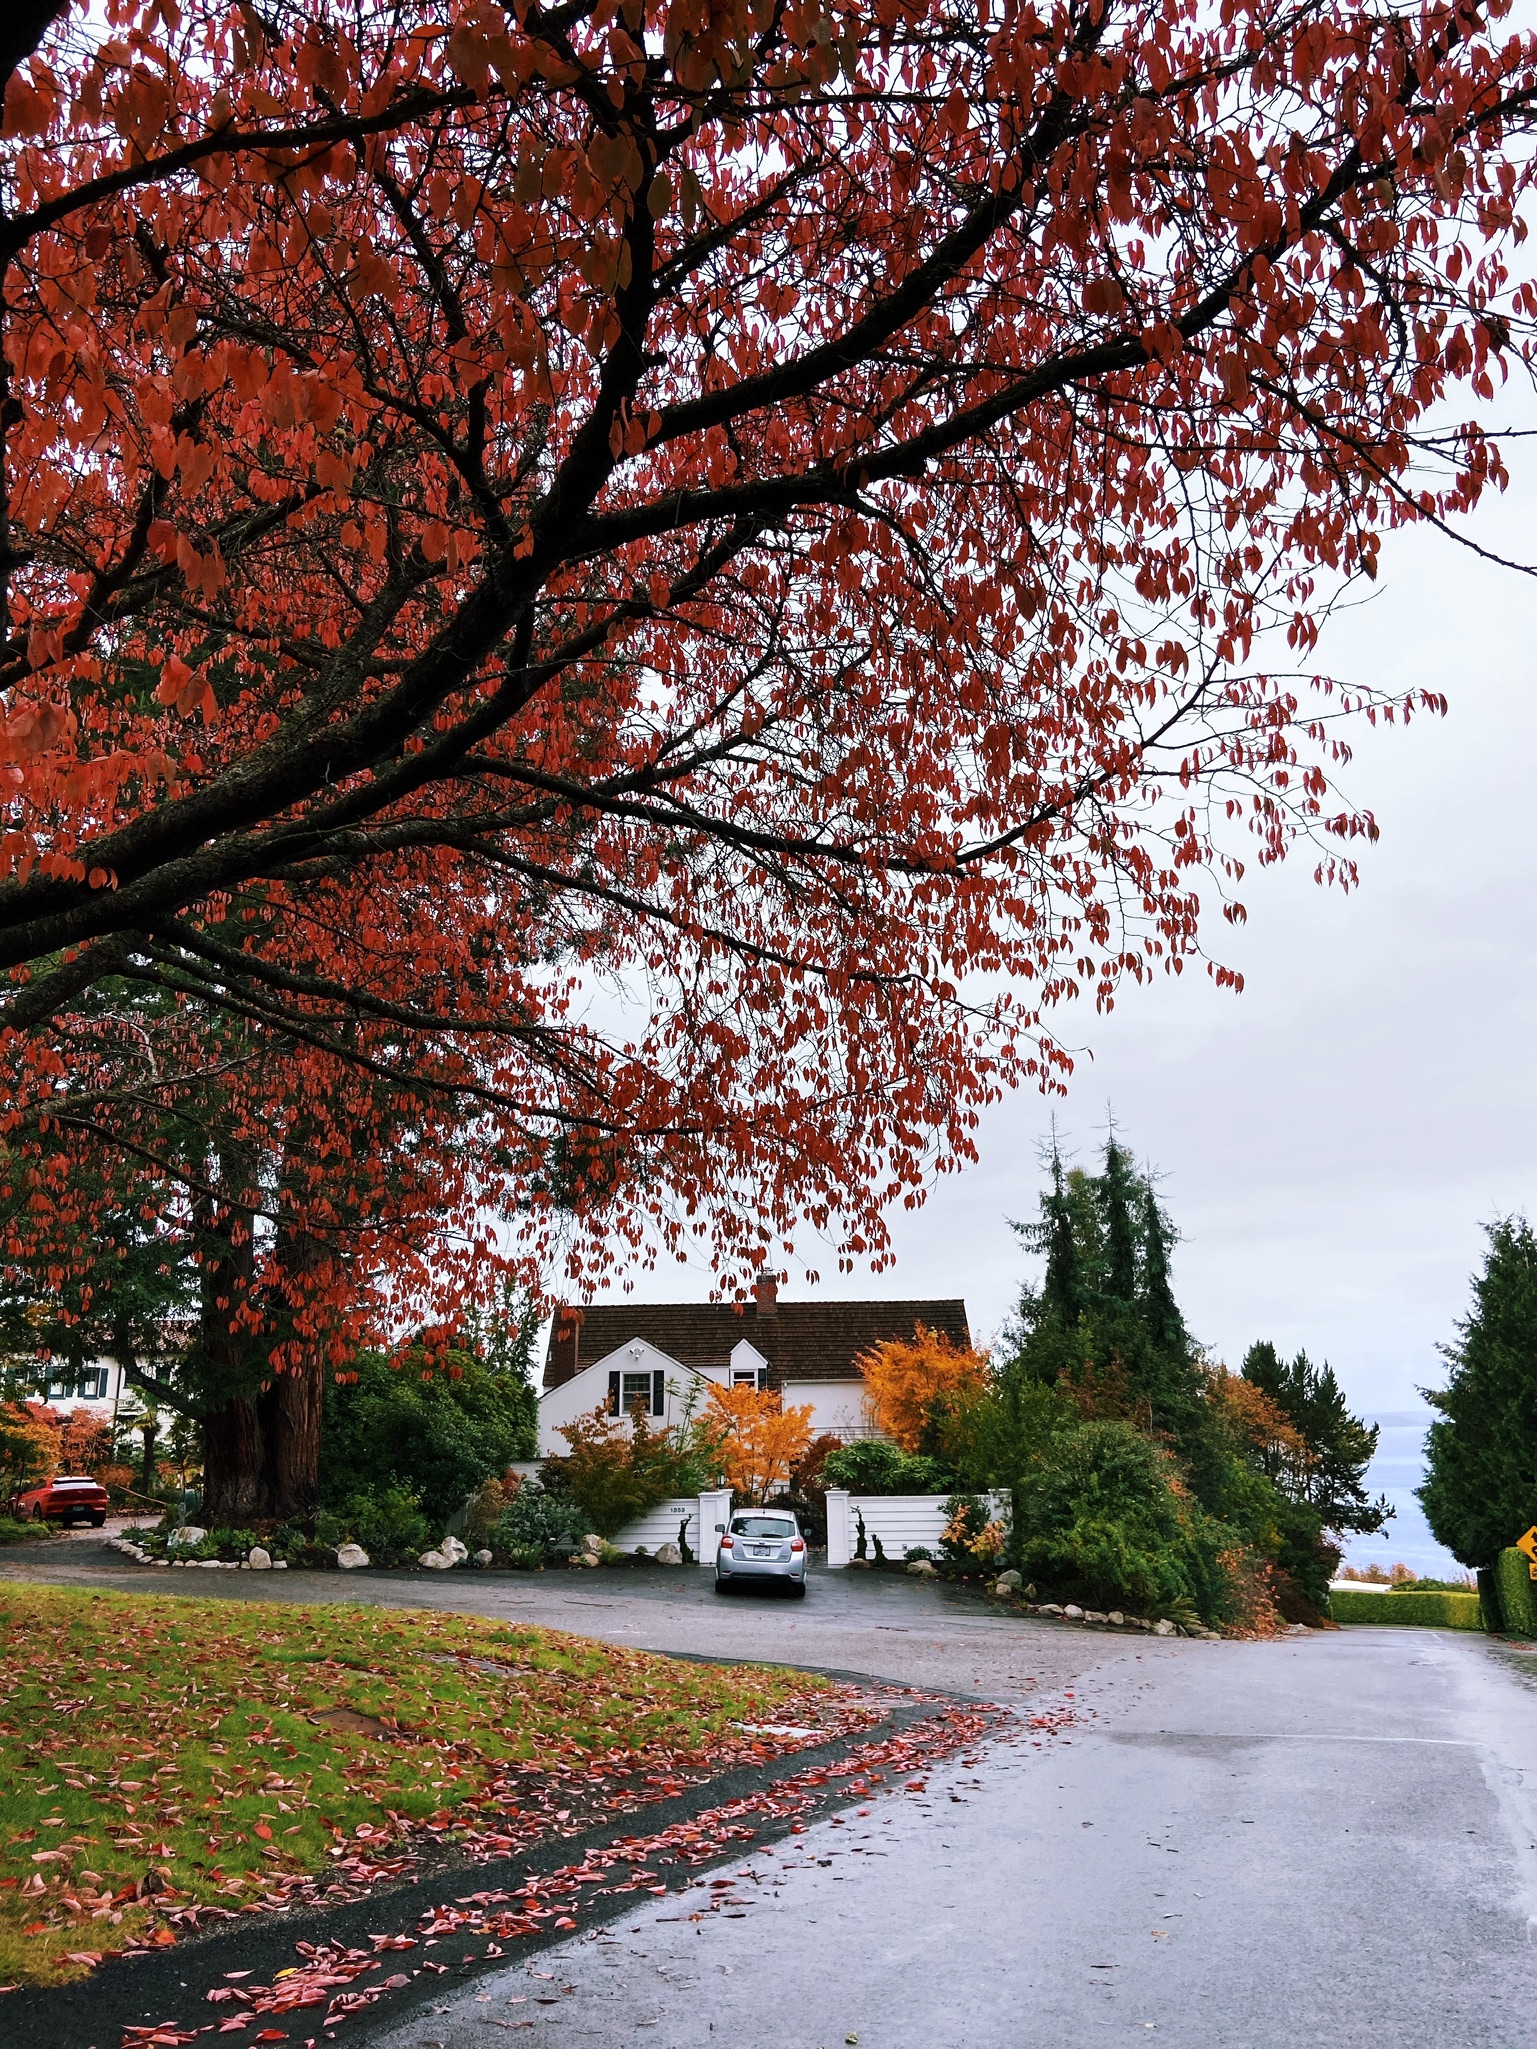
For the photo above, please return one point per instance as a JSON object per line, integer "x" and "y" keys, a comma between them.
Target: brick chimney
{"x": 766, "y": 1295}
{"x": 560, "y": 1363}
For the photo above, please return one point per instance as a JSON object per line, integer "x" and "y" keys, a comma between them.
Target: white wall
{"x": 836, "y": 1405}
{"x": 660, "y": 1525}
{"x": 903, "y": 1522}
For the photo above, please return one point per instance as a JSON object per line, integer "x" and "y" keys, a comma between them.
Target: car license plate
{"x": 758, "y": 1551}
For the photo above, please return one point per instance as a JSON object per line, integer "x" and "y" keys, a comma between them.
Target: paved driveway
{"x": 883, "y": 1625}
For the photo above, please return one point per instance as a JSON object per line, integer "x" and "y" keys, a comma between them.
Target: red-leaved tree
{"x": 585, "y": 585}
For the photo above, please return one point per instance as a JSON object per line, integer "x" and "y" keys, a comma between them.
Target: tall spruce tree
{"x": 1103, "y": 1320}
{"x": 1480, "y": 1491}
{"x": 1339, "y": 1445}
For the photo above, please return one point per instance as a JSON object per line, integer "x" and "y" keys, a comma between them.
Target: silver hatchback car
{"x": 761, "y": 1545}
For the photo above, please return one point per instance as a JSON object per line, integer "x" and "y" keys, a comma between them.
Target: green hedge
{"x": 1518, "y": 1593}
{"x": 1423, "y": 1611}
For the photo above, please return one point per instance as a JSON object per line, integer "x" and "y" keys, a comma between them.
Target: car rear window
{"x": 760, "y": 1526}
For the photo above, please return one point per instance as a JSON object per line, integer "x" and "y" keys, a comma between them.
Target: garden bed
{"x": 173, "y": 1763}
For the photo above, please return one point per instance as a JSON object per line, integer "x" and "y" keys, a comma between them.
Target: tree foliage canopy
{"x": 1480, "y": 1490}
{"x": 768, "y": 508}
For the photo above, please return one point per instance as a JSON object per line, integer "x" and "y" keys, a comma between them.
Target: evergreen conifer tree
{"x": 1480, "y": 1492}
{"x": 1119, "y": 1201}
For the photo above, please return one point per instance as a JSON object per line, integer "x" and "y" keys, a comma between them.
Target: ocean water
{"x": 1397, "y": 1469}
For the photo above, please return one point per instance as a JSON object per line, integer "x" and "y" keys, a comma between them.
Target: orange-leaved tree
{"x": 911, "y": 1383}
{"x": 29, "y": 1446}
{"x": 760, "y": 1442}
{"x": 775, "y": 508}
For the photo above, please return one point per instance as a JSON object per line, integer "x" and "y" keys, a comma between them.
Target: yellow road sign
{"x": 1528, "y": 1544}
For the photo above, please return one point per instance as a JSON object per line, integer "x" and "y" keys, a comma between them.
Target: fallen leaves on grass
{"x": 330, "y": 1976}
{"x": 202, "y": 1760}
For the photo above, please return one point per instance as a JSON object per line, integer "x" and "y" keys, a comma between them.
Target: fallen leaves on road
{"x": 475, "y": 1927}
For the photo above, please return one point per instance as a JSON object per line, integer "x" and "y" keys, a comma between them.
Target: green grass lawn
{"x": 159, "y": 1753}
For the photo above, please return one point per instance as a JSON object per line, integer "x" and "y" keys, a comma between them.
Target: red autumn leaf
{"x": 576, "y": 607}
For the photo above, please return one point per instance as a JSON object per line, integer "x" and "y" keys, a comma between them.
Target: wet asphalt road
{"x": 1327, "y": 1840}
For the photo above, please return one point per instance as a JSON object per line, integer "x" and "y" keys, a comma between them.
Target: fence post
{"x": 838, "y": 1552}
{"x": 714, "y": 1507}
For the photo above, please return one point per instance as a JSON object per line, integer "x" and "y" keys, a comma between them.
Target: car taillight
{"x": 799, "y": 1544}
{"x": 725, "y": 1543}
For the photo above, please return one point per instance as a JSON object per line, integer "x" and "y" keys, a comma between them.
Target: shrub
{"x": 971, "y": 1541}
{"x": 389, "y": 1524}
{"x": 539, "y": 1528}
{"x": 873, "y": 1466}
{"x": 436, "y": 1437}
{"x": 485, "y": 1510}
{"x": 620, "y": 1467}
{"x": 1101, "y": 1517}
{"x": 1421, "y": 1611}
{"x": 1516, "y": 1592}
{"x": 1466, "y": 1585}
{"x": 13, "y": 1532}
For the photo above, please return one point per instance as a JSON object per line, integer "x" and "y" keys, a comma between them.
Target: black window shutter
{"x": 613, "y": 1394}
{"x": 658, "y": 1392}
{"x": 762, "y": 1378}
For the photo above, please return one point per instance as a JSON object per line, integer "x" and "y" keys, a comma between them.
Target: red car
{"x": 67, "y": 1498}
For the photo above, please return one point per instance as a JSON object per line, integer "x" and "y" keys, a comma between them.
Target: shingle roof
{"x": 800, "y": 1340}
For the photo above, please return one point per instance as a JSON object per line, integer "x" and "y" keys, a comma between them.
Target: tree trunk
{"x": 290, "y": 1414}
{"x": 233, "y": 1465}
{"x": 262, "y": 1448}
{"x": 150, "y": 1430}
{"x": 228, "y": 1355}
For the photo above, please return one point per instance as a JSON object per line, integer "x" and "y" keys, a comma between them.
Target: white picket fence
{"x": 903, "y": 1522}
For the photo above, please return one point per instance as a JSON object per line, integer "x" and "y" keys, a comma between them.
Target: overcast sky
{"x": 1331, "y": 1140}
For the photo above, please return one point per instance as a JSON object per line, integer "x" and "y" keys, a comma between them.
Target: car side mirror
{"x": 719, "y": 1527}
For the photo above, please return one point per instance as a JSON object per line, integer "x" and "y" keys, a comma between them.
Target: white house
{"x": 97, "y": 1388}
{"x": 666, "y": 1354}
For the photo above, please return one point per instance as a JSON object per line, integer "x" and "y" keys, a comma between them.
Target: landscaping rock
{"x": 351, "y": 1557}
{"x": 1164, "y": 1627}
{"x": 1093, "y": 1615}
{"x": 1050, "y": 1608}
{"x": 482, "y": 1557}
{"x": 594, "y": 1543}
{"x": 188, "y": 1534}
{"x": 454, "y": 1551}
{"x": 668, "y": 1554}
{"x": 280, "y": 1565}
{"x": 1073, "y": 1612}
{"x": 436, "y": 1561}
{"x": 259, "y": 1558}
{"x": 1116, "y": 1619}
{"x": 922, "y": 1568}
{"x": 1008, "y": 1582}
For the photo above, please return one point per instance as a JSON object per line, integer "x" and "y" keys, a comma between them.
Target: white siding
{"x": 660, "y": 1526}
{"x": 837, "y": 1406}
{"x": 903, "y": 1522}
